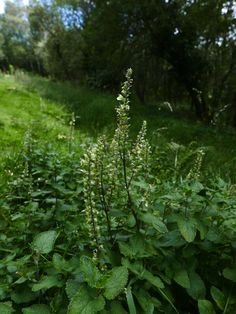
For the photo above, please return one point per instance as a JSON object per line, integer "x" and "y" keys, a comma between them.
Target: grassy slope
{"x": 27, "y": 100}
{"x": 22, "y": 110}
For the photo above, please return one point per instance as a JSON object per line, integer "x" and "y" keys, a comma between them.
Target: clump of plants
{"x": 112, "y": 232}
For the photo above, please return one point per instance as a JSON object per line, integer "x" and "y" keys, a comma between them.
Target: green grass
{"x": 22, "y": 110}
{"x": 46, "y": 105}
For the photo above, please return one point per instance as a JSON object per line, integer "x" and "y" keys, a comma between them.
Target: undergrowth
{"x": 126, "y": 228}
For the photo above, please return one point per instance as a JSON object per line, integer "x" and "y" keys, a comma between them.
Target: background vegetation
{"x": 181, "y": 51}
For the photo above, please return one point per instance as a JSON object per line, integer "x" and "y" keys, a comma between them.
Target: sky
{"x": 3, "y": 1}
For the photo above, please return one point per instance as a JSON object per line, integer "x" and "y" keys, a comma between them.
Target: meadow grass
{"x": 46, "y": 105}
{"x": 22, "y": 111}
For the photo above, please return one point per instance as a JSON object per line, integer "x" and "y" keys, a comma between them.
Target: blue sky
{"x": 3, "y": 1}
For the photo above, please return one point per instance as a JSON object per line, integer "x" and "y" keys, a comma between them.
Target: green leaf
{"x": 197, "y": 288}
{"x": 230, "y": 273}
{"x": 145, "y": 301}
{"x": 91, "y": 273}
{"x": 181, "y": 277}
{"x": 116, "y": 282}
{"x": 205, "y": 307}
{"x": 218, "y": 297}
{"x": 60, "y": 263}
{"x": 154, "y": 280}
{"x": 187, "y": 228}
{"x": 47, "y": 282}
{"x": 23, "y": 294}
{"x": 137, "y": 247}
{"x": 138, "y": 269}
{"x": 72, "y": 286}
{"x": 154, "y": 221}
{"x": 85, "y": 302}
{"x": 117, "y": 308}
{"x": 36, "y": 309}
{"x": 6, "y": 308}
{"x": 171, "y": 238}
{"x": 44, "y": 242}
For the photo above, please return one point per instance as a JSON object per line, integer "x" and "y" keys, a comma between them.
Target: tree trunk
{"x": 199, "y": 105}
{"x": 234, "y": 111}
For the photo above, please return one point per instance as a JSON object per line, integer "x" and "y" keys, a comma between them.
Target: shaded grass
{"x": 95, "y": 113}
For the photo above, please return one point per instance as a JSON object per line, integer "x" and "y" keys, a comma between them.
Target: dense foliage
{"x": 113, "y": 230}
{"x": 181, "y": 51}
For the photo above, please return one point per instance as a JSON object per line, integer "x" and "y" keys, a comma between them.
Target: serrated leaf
{"x": 6, "y": 308}
{"x": 138, "y": 269}
{"x": 205, "y": 307}
{"x": 171, "y": 238}
{"x": 23, "y": 295}
{"x": 72, "y": 286}
{"x": 85, "y": 303}
{"x": 137, "y": 247}
{"x": 154, "y": 280}
{"x": 154, "y": 221}
{"x": 116, "y": 282}
{"x": 218, "y": 297}
{"x": 197, "y": 288}
{"x": 60, "y": 263}
{"x": 187, "y": 228}
{"x": 91, "y": 273}
{"x": 44, "y": 242}
{"x": 182, "y": 278}
{"x": 47, "y": 282}
{"x": 36, "y": 309}
{"x": 230, "y": 274}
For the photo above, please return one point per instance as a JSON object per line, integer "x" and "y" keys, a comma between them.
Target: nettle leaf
{"x": 44, "y": 242}
{"x": 218, "y": 297}
{"x": 230, "y": 273}
{"x": 197, "y": 288}
{"x": 154, "y": 221}
{"x": 60, "y": 263}
{"x": 6, "y": 308}
{"x": 23, "y": 294}
{"x": 85, "y": 302}
{"x": 72, "y": 286}
{"x": 137, "y": 247}
{"x": 138, "y": 269}
{"x": 171, "y": 238}
{"x": 205, "y": 307}
{"x": 182, "y": 278}
{"x": 91, "y": 273}
{"x": 36, "y": 309}
{"x": 154, "y": 280}
{"x": 47, "y": 282}
{"x": 187, "y": 228}
{"x": 116, "y": 282}
{"x": 202, "y": 230}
